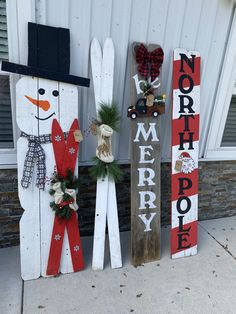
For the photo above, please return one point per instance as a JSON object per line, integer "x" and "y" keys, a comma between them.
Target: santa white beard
{"x": 188, "y": 165}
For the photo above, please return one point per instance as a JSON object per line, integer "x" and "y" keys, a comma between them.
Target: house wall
{"x": 217, "y": 197}
{"x": 196, "y": 25}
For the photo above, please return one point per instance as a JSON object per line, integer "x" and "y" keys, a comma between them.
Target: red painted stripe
{"x": 59, "y": 146}
{"x": 56, "y": 246}
{"x": 75, "y": 242}
{"x": 178, "y": 126}
{"x": 65, "y": 156}
{"x": 193, "y": 176}
{"x": 187, "y": 70}
{"x": 191, "y": 237}
{"x": 71, "y": 151}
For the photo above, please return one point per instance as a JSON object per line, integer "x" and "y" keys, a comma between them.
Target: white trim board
{"x": 214, "y": 150}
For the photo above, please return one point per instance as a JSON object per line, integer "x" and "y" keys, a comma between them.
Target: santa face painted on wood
{"x": 38, "y": 102}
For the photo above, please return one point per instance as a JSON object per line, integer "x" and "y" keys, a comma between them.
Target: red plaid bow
{"x": 149, "y": 63}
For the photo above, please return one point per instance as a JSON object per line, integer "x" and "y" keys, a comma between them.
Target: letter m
{"x": 146, "y": 134}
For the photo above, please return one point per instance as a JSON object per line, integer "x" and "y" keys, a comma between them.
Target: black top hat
{"x": 48, "y": 55}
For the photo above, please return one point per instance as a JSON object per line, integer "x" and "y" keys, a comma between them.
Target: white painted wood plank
{"x": 107, "y": 97}
{"x": 100, "y": 224}
{"x": 102, "y": 185}
{"x": 29, "y": 198}
{"x": 103, "y": 70}
{"x": 107, "y": 71}
{"x": 113, "y": 227}
{"x": 45, "y": 126}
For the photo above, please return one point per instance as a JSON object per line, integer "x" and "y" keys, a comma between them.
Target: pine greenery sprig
{"x": 108, "y": 114}
{"x": 67, "y": 182}
{"x": 101, "y": 170}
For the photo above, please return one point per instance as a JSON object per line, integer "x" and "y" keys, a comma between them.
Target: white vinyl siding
{"x": 197, "y": 25}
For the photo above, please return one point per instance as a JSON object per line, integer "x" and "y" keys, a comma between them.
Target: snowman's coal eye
{"x": 41, "y": 91}
{"x": 55, "y": 93}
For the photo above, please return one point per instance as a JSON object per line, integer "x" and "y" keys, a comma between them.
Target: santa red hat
{"x": 184, "y": 155}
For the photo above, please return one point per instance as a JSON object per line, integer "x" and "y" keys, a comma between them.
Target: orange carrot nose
{"x": 44, "y": 104}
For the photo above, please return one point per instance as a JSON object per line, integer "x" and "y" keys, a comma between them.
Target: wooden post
{"x": 145, "y": 190}
{"x": 185, "y": 142}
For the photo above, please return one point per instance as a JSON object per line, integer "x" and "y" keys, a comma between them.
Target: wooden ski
{"x": 102, "y": 62}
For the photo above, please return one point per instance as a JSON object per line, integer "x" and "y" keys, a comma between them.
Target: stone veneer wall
{"x": 217, "y": 198}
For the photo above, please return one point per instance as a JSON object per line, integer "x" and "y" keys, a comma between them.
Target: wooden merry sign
{"x": 145, "y": 152}
{"x": 145, "y": 190}
{"x": 185, "y": 142}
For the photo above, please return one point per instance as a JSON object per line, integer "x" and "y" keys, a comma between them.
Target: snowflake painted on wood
{"x": 71, "y": 150}
{"x": 76, "y": 248}
{"x": 57, "y": 237}
{"x": 57, "y": 138}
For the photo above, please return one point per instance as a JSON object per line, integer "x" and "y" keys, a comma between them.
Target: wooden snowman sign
{"x": 46, "y": 113}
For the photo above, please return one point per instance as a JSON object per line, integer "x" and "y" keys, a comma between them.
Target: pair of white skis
{"x": 102, "y": 62}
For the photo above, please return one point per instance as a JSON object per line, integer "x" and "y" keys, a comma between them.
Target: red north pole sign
{"x": 185, "y": 143}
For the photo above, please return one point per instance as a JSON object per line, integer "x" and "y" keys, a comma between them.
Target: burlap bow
{"x": 149, "y": 63}
{"x": 58, "y": 196}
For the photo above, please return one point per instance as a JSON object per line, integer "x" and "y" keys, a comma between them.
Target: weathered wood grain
{"x": 29, "y": 198}
{"x": 145, "y": 244}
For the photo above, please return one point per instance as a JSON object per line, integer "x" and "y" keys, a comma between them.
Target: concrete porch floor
{"x": 204, "y": 284}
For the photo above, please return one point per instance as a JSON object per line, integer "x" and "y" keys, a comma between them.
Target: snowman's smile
{"x": 46, "y": 117}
